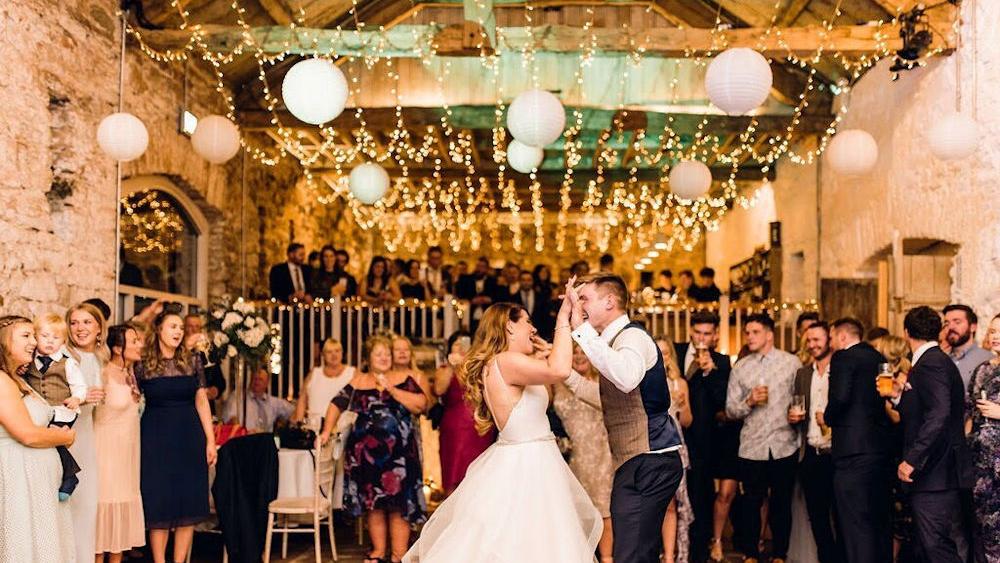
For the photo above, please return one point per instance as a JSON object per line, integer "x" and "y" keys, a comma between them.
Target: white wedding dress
{"x": 518, "y": 503}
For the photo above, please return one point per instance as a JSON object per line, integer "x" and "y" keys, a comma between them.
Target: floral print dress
{"x": 382, "y": 468}
{"x": 984, "y": 440}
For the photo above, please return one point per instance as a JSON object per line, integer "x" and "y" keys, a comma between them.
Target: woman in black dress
{"x": 178, "y": 441}
{"x": 326, "y": 276}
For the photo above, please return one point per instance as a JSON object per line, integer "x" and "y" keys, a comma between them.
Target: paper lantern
{"x": 523, "y": 158}
{"x": 536, "y": 118}
{"x": 852, "y": 152}
{"x": 738, "y": 80}
{"x": 122, "y": 136}
{"x": 690, "y": 179}
{"x": 216, "y": 139}
{"x": 369, "y": 182}
{"x": 954, "y": 136}
{"x": 315, "y": 91}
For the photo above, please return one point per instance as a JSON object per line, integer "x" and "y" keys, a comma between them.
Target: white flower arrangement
{"x": 239, "y": 330}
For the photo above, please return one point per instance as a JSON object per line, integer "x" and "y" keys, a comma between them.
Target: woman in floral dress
{"x": 383, "y": 476}
{"x": 982, "y": 410}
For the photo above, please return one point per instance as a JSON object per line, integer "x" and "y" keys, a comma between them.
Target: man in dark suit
{"x": 707, "y": 374}
{"x": 438, "y": 280}
{"x": 815, "y": 463}
{"x": 536, "y": 304}
{"x": 478, "y": 288}
{"x": 936, "y": 460}
{"x": 860, "y": 447}
{"x": 290, "y": 279}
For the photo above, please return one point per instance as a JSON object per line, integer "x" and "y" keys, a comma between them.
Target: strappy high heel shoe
{"x": 715, "y": 550}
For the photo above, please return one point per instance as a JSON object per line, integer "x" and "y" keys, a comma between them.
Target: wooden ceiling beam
{"x": 278, "y": 11}
{"x": 553, "y": 177}
{"x": 420, "y": 117}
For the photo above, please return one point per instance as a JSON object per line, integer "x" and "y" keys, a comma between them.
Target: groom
{"x": 635, "y": 399}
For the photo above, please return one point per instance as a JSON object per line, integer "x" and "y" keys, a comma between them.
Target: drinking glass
{"x": 884, "y": 379}
{"x": 798, "y": 407}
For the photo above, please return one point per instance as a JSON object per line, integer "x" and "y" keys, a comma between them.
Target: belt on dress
{"x": 502, "y": 442}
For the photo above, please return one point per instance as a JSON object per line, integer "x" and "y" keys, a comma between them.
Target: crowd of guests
{"x": 891, "y": 438}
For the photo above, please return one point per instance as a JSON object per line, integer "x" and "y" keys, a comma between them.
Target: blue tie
{"x": 46, "y": 362}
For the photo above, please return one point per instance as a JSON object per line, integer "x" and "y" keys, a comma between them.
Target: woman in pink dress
{"x": 121, "y": 524}
{"x": 460, "y": 443}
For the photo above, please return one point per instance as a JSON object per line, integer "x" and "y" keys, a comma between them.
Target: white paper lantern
{"x": 954, "y": 136}
{"x": 738, "y": 80}
{"x": 122, "y": 136}
{"x": 690, "y": 179}
{"x": 852, "y": 152}
{"x": 216, "y": 139}
{"x": 536, "y": 118}
{"x": 369, "y": 182}
{"x": 315, "y": 91}
{"x": 523, "y": 158}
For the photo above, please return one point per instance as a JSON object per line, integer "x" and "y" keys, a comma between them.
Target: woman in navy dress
{"x": 178, "y": 442}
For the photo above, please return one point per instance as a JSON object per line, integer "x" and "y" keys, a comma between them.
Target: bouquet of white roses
{"x": 239, "y": 330}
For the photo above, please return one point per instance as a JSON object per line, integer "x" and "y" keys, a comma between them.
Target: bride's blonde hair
{"x": 490, "y": 340}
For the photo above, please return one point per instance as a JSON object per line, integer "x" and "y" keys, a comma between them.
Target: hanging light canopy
{"x": 536, "y": 118}
{"x": 738, "y": 80}
{"x": 122, "y": 136}
{"x": 953, "y": 137}
{"x": 369, "y": 182}
{"x": 523, "y": 158}
{"x": 852, "y": 152}
{"x": 690, "y": 179}
{"x": 216, "y": 139}
{"x": 315, "y": 91}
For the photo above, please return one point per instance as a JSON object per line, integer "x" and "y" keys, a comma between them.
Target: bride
{"x": 518, "y": 501}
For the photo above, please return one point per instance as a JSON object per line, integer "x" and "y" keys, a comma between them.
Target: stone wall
{"x": 909, "y": 190}
{"x": 58, "y": 189}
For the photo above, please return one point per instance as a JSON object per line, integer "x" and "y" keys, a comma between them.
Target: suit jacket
{"x": 246, "y": 481}
{"x": 803, "y": 386}
{"x": 707, "y": 396}
{"x": 466, "y": 289}
{"x": 854, "y": 410}
{"x": 931, "y": 411}
{"x": 280, "y": 281}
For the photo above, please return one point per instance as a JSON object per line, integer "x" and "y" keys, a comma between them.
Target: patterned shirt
{"x": 766, "y": 432}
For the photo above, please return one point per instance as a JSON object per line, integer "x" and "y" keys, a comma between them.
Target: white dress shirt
{"x": 624, "y": 365}
{"x": 819, "y": 390}
{"x": 920, "y": 351}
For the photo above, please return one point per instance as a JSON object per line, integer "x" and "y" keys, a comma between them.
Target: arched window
{"x": 164, "y": 245}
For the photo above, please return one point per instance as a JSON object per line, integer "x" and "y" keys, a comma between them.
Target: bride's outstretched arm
{"x": 521, "y": 369}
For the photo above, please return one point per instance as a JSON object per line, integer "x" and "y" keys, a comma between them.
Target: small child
{"x": 59, "y": 382}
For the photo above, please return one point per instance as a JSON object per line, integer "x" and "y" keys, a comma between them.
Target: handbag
{"x": 344, "y": 425}
{"x": 297, "y": 437}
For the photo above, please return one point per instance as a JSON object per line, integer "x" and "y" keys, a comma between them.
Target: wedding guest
{"x": 961, "y": 324}
{"x": 536, "y": 303}
{"x": 542, "y": 277}
{"x": 875, "y": 333}
{"x": 34, "y": 525}
{"x": 346, "y": 286}
{"x": 120, "y": 520}
{"x": 325, "y": 276}
{"x": 812, "y": 384}
{"x": 410, "y": 284}
{"x": 982, "y": 412}
{"x": 677, "y": 521}
{"x": 707, "y": 375}
{"x": 460, "y": 443}
{"x": 48, "y": 375}
{"x": 896, "y": 352}
{"x": 705, "y": 291}
{"x": 383, "y": 478}
{"x": 478, "y": 288}
{"x": 936, "y": 462}
{"x": 176, "y": 436}
{"x": 87, "y": 352}
{"x": 290, "y": 279}
{"x": 759, "y": 392}
{"x": 404, "y": 363}
{"x": 379, "y": 285}
{"x": 437, "y": 280}
{"x": 665, "y": 284}
{"x": 803, "y": 322}
{"x": 508, "y": 284}
{"x": 323, "y": 383}
{"x": 196, "y": 340}
{"x": 685, "y": 282}
{"x": 581, "y": 415}
{"x": 263, "y": 410}
{"x": 861, "y": 445}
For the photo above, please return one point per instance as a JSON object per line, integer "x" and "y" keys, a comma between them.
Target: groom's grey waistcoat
{"x": 638, "y": 421}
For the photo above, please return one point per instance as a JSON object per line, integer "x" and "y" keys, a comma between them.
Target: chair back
{"x": 324, "y": 466}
